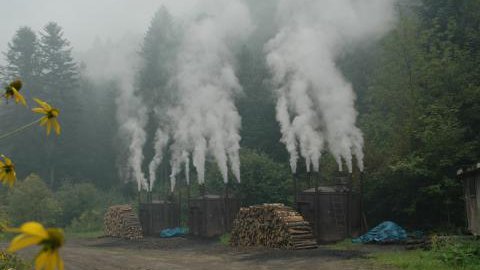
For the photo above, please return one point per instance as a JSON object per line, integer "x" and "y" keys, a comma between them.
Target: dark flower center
{"x": 8, "y": 168}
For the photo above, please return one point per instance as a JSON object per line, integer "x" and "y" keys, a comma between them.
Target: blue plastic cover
{"x": 174, "y": 232}
{"x": 386, "y": 232}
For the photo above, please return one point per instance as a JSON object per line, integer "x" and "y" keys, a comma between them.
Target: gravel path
{"x": 180, "y": 253}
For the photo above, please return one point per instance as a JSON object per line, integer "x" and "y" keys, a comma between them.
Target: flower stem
{"x": 20, "y": 129}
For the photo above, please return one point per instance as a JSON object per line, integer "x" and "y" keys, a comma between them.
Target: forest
{"x": 416, "y": 100}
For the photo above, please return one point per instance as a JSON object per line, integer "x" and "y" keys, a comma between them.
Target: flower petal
{"x": 40, "y": 260}
{"x": 51, "y": 261}
{"x": 8, "y": 161}
{"x": 11, "y": 178}
{"x": 60, "y": 264}
{"x": 39, "y": 110}
{"x": 56, "y": 126}
{"x": 43, "y": 121}
{"x": 22, "y": 241}
{"x": 49, "y": 126}
{"x": 35, "y": 229}
{"x": 18, "y": 97}
{"x": 43, "y": 104}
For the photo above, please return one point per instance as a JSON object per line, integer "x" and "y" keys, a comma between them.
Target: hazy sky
{"x": 83, "y": 20}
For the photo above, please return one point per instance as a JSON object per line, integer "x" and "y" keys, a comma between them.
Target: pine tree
{"x": 59, "y": 79}
{"x": 23, "y": 57}
{"x": 23, "y": 62}
{"x": 157, "y": 54}
{"x": 59, "y": 70}
{"x": 153, "y": 79}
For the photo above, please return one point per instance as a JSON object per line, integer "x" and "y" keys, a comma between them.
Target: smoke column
{"x": 161, "y": 141}
{"x": 315, "y": 106}
{"x": 132, "y": 116}
{"x": 115, "y": 62}
{"x": 206, "y": 121}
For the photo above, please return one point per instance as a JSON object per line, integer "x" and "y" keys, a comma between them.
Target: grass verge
{"x": 225, "y": 239}
{"x": 415, "y": 259}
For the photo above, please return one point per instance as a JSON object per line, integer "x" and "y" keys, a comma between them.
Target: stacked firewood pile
{"x": 121, "y": 221}
{"x": 272, "y": 225}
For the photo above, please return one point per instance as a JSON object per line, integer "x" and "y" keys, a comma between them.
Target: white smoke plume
{"x": 161, "y": 141}
{"x": 315, "y": 106}
{"x": 206, "y": 121}
{"x": 116, "y": 61}
{"x": 132, "y": 116}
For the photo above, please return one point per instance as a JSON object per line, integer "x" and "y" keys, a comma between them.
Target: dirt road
{"x": 172, "y": 254}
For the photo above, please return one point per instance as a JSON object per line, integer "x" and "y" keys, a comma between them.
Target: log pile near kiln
{"x": 122, "y": 222}
{"x": 272, "y": 225}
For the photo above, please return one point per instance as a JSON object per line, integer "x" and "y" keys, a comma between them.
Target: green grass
{"x": 12, "y": 261}
{"x": 225, "y": 239}
{"x": 415, "y": 259}
{"x": 343, "y": 245}
{"x": 459, "y": 256}
{"x": 82, "y": 235}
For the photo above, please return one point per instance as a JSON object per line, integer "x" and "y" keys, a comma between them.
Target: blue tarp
{"x": 386, "y": 232}
{"x": 174, "y": 232}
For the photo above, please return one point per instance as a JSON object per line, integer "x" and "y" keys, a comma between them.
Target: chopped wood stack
{"x": 272, "y": 225}
{"x": 122, "y": 222}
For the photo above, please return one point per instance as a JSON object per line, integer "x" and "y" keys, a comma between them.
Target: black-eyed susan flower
{"x": 12, "y": 92}
{"x": 50, "y": 118}
{"x": 7, "y": 171}
{"x": 51, "y": 240}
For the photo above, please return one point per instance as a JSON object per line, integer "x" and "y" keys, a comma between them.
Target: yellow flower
{"x": 7, "y": 171}
{"x": 50, "y": 118}
{"x": 12, "y": 92}
{"x": 51, "y": 239}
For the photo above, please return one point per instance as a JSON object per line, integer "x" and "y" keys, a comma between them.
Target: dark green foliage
{"x": 59, "y": 70}
{"x": 257, "y": 106}
{"x": 153, "y": 81}
{"x": 31, "y": 199}
{"x": 94, "y": 136}
{"x": 420, "y": 117}
{"x": 10, "y": 261}
{"x": 263, "y": 180}
{"x": 88, "y": 221}
{"x": 75, "y": 199}
{"x": 458, "y": 254}
{"x": 22, "y": 56}
{"x": 76, "y": 206}
{"x": 158, "y": 55}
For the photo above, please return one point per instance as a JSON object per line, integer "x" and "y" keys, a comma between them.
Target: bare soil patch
{"x": 197, "y": 254}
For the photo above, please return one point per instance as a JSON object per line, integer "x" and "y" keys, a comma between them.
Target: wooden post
{"x": 188, "y": 196}
{"x": 226, "y": 212}
{"x": 204, "y": 211}
{"x": 309, "y": 179}
{"x": 317, "y": 201}
{"x": 362, "y": 210}
{"x": 179, "y": 207}
{"x": 349, "y": 205}
{"x": 295, "y": 192}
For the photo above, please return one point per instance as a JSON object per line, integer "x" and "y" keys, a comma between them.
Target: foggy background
{"x": 84, "y": 21}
